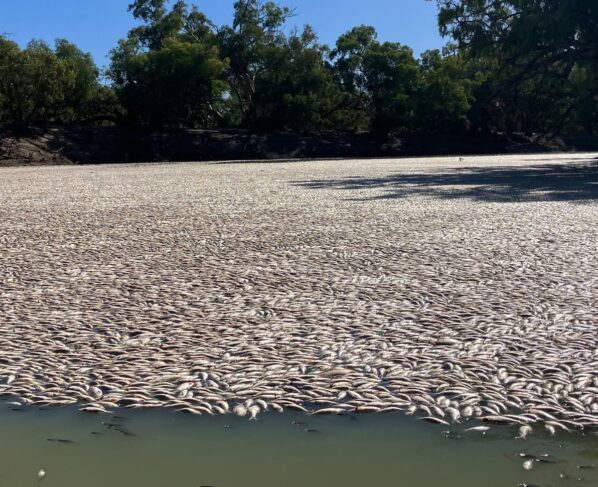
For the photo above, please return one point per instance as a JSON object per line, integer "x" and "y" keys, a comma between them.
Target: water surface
{"x": 167, "y": 449}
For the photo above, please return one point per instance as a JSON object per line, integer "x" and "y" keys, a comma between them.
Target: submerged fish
{"x": 524, "y": 431}
{"x": 60, "y": 440}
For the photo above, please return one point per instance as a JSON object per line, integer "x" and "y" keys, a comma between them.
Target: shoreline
{"x": 54, "y": 145}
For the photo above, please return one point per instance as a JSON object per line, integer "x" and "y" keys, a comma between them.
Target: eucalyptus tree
{"x": 168, "y": 71}
{"x": 382, "y": 76}
{"x": 254, "y": 35}
{"x": 34, "y": 84}
{"x": 546, "y": 56}
{"x": 445, "y": 93}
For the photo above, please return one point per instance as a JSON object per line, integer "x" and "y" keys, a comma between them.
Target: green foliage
{"x": 445, "y": 94}
{"x": 538, "y": 49}
{"x": 294, "y": 90}
{"x": 33, "y": 85}
{"x": 382, "y": 79}
{"x": 391, "y": 78}
{"x": 518, "y": 65}
{"x": 172, "y": 60}
{"x": 38, "y": 84}
{"x": 253, "y": 41}
{"x": 80, "y": 97}
{"x": 172, "y": 86}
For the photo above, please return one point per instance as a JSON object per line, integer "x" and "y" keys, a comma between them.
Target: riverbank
{"x": 93, "y": 145}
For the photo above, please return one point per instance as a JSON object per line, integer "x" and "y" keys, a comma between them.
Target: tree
{"x": 347, "y": 69}
{"x": 255, "y": 33}
{"x": 33, "y": 84}
{"x": 445, "y": 93}
{"x": 549, "y": 30}
{"x": 276, "y": 80}
{"x": 39, "y": 84}
{"x": 294, "y": 89}
{"x": 539, "y": 46}
{"x": 384, "y": 77}
{"x": 172, "y": 60}
{"x": 79, "y": 100}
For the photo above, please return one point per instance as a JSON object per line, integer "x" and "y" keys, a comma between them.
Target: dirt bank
{"x": 91, "y": 145}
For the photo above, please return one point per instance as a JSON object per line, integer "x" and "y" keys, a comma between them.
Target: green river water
{"x": 168, "y": 449}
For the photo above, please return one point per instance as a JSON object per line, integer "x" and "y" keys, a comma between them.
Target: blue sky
{"x": 96, "y": 25}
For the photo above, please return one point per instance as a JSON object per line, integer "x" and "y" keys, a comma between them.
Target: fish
{"x": 524, "y": 431}
{"x": 329, "y": 411}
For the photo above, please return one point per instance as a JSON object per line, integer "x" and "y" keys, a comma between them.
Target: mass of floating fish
{"x": 237, "y": 288}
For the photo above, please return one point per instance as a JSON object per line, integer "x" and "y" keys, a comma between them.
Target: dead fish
{"x": 254, "y": 410}
{"x": 585, "y": 467}
{"x": 527, "y": 455}
{"x": 483, "y": 429}
{"x": 125, "y": 432}
{"x": 524, "y": 431}
{"x": 93, "y": 410}
{"x": 118, "y": 427}
{"x": 432, "y": 419}
{"x": 41, "y": 473}
{"x": 329, "y": 411}
{"x": 335, "y": 372}
{"x": 544, "y": 460}
{"x": 528, "y": 464}
{"x": 240, "y": 410}
{"x": 311, "y": 430}
{"x": 61, "y": 440}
